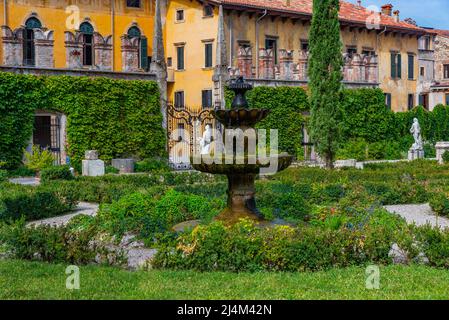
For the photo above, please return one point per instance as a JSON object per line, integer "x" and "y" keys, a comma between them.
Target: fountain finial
{"x": 239, "y": 86}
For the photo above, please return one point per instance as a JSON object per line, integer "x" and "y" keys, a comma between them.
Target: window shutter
{"x": 144, "y": 53}
{"x": 393, "y": 65}
{"x": 411, "y": 67}
{"x": 399, "y": 66}
{"x": 203, "y": 99}
{"x": 180, "y": 51}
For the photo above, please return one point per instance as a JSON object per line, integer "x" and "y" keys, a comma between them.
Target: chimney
{"x": 359, "y": 3}
{"x": 396, "y": 16}
{"x": 387, "y": 9}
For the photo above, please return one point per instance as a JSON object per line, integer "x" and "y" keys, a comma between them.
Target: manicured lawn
{"x": 32, "y": 280}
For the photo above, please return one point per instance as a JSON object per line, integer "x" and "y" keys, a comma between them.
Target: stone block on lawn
{"x": 441, "y": 147}
{"x": 93, "y": 168}
{"x": 123, "y": 165}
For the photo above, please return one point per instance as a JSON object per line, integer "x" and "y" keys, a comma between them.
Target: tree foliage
{"x": 325, "y": 75}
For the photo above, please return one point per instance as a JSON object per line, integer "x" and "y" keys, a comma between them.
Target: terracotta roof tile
{"x": 348, "y": 11}
{"x": 444, "y": 33}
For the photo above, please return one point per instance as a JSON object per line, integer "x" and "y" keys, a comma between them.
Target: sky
{"x": 427, "y": 13}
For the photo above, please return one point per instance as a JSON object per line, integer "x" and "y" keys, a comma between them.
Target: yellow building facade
{"x": 110, "y": 19}
{"x": 266, "y": 42}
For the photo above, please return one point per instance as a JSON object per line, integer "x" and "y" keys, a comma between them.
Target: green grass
{"x": 33, "y": 280}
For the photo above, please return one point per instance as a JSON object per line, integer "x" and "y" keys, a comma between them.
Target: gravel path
{"x": 420, "y": 214}
{"x": 85, "y": 208}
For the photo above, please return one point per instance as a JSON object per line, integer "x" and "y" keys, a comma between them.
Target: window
{"x": 411, "y": 101}
{"x": 88, "y": 43}
{"x": 388, "y": 100}
{"x": 446, "y": 71}
{"x": 271, "y": 43}
{"x": 134, "y": 32}
{"x": 351, "y": 51}
{"x": 208, "y": 10}
{"x": 169, "y": 61}
{"x": 206, "y": 98}
{"x": 179, "y": 99}
{"x": 208, "y": 55}
{"x": 396, "y": 65}
{"x": 368, "y": 52}
{"x": 29, "y": 54}
{"x": 424, "y": 101}
{"x": 133, "y": 3}
{"x": 411, "y": 67}
{"x": 425, "y": 43}
{"x": 180, "y": 15}
{"x": 180, "y": 57}
{"x": 305, "y": 45}
{"x": 422, "y": 71}
{"x": 447, "y": 99}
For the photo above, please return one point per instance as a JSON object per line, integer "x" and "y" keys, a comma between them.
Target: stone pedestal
{"x": 441, "y": 147}
{"x": 123, "y": 165}
{"x": 93, "y": 168}
{"x": 415, "y": 154}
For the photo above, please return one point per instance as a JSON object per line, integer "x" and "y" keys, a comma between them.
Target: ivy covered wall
{"x": 116, "y": 117}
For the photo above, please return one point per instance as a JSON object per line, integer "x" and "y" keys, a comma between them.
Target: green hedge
{"x": 116, "y": 117}
{"x": 287, "y": 105}
{"x": 33, "y": 203}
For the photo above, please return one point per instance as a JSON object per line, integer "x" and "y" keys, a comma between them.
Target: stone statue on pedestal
{"x": 417, "y": 149}
{"x": 206, "y": 140}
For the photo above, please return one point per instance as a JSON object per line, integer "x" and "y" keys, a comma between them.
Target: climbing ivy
{"x": 287, "y": 105}
{"x": 116, "y": 117}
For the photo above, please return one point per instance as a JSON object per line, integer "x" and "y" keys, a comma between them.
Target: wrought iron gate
{"x": 184, "y": 129}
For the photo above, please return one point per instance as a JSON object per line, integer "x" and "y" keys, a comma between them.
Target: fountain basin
{"x": 242, "y": 117}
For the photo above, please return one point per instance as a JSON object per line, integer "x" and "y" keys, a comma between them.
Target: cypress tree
{"x": 325, "y": 73}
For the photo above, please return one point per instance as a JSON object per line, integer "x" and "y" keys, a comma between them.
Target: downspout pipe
{"x": 257, "y": 40}
{"x": 5, "y": 12}
{"x": 113, "y": 32}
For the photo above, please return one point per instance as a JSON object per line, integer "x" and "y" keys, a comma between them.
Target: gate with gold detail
{"x": 185, "y": 127}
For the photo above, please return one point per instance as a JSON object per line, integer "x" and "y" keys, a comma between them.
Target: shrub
{"x": 111, "y": 170}
{"x": 22, "y": 172}
{"x": 3, "y": 175}
{"x": 149, "y": 214}
{"x": 434, "y": 243}
{"x": 38, "y": 159}
{"x": 440, "y": 204}
{"x": 33, "y": 203}
{"x": 55, "y": 244}
{"x": 446, "y": 157}
{"x": 243, "y": 247}
{"x": 56, "y": 173}
{"x": 151, "y": 165}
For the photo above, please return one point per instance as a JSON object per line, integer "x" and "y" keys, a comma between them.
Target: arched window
{"x": 88, "y": 43}
{"x": 29, "y": 56}
{"x": 134, "y": 32}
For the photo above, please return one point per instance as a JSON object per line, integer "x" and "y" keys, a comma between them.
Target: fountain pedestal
{"x": 241, "y": 174}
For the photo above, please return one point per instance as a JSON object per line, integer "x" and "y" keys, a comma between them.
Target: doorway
{"x": 47, "y": 134}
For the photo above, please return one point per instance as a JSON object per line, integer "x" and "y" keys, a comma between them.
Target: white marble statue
{"x": 415, "y": 130}
{"x": 206, "y": 140}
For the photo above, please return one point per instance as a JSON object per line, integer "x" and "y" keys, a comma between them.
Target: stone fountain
{"x": 241, "y": 168}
